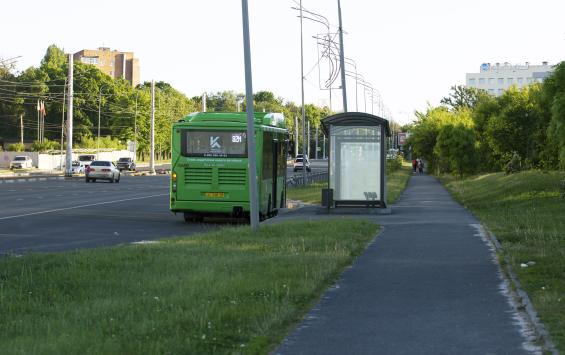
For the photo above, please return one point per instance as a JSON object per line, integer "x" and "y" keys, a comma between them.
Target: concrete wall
{"x": 53, "y": 161}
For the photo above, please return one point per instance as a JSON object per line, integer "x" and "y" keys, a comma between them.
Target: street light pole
{"x": 303, "y": 110}
{"x": 341, "y": 58}
{"x": 69, "y": 156}
{"x": 98, "y": 140}
{"x": 252, "y": 158}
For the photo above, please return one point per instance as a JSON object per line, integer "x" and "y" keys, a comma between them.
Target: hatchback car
{"x": 21, "y": 162}
{"x": 104, "y": 170}
{"x": 77, "y": 167}
{"x": 301, "y": 163}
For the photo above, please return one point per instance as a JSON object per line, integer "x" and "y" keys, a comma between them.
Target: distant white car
{"x": 21, "y": 162}
{"x": 300, "y": 163}
{"x": 77, "y": 167}
{"x": 102, "y": 169}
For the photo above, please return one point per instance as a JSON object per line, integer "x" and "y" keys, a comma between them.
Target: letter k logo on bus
{"x": 214, "y": 142}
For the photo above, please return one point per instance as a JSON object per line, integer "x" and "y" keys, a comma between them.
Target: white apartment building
{"x": 495, "y": 78}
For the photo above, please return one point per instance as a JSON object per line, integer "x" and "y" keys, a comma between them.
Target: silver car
{"x": 102, "y": 169}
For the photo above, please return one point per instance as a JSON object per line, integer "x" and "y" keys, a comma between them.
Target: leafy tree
{"x": 463, "y": 97}
{"x": 515, "y": 126}
{"x": 554, "y": 98}
{"x": 455, "y": 149}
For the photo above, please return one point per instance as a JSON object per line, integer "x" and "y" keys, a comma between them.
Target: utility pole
{"x": 98, "y": 139}
{"x": 204, "y": 102}
{"x": 22, "y": 129}
{"x": 135, "y": 129}
{"x": 69, "y": 157}
{"x": 252, "y": 154}
{"x": 324, "y": 148}
{"x": 38, "y": 121}
{"x": 152, "y": 134}
{"x": 309, "y": 156}
{"x": 341, "y": 58}
{"x": 63, "y": 123}
{"x": 316, "y": 153}
{"x": 304, "y": 176}
{"x": 296, "y": 136}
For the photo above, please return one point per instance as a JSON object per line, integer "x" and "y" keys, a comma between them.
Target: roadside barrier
{"x": 298, "y": 179}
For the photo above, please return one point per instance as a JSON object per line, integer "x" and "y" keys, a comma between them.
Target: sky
{"x": 411, "y": 51}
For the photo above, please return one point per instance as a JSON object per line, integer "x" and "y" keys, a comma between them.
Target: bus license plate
{"x": 214, "y": 194}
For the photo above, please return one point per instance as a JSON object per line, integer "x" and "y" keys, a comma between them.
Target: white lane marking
{"x": 80, "y": 206}
{"x": 19, "y": 199}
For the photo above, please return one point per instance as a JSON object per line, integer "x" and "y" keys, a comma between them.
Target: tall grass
{"x": 226, "y": 292}
{"x": 526, "y": 211}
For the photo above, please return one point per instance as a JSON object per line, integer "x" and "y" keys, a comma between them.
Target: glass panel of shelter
{"x": 355, "y": 163}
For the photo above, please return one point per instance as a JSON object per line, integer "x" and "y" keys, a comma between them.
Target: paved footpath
{"x": 426, "y": 285}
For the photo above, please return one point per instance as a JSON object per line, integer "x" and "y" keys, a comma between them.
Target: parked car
{"x": 86, "y": 159}
{"x": 21, "y": 162}
{"x": 300, "y": 163}
{"x": 126, "y": 164}
{"x": 77, "y": 167}
{"x": 102, "y": 169}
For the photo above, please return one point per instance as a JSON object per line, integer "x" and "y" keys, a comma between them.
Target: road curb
{"x": 521, "y": 296}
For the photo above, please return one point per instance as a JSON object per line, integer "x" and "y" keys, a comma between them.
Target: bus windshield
{"x": 227, "y": 144}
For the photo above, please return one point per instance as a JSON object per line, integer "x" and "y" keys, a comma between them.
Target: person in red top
{"x": 414, "y": 165}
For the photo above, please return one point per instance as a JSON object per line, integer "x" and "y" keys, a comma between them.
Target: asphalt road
{"x": 65, "y": 215}
{"x": 71, "y": 214}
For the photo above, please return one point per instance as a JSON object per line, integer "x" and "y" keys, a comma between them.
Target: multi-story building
{"x": 499, "y": 77}
{"x": 114, "y": 63}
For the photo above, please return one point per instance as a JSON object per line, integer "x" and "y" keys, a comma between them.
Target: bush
{"x": 16, "y": 147}
{"x": 44, "y": 146}
{"x": 514, "y": 165}
{"x": 394, "y": 164}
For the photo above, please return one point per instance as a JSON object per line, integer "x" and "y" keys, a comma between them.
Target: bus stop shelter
{"x": 356, "y": 160}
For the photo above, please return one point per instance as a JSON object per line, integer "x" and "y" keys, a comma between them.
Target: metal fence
{"x": 298, "y": 179}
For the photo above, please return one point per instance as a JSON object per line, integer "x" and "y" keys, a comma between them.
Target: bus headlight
{"x": 174, "y": 177}
{"x": 174, "y": 187}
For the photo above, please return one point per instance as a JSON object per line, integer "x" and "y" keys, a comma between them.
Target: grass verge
{"x": 396, "y": 183}
{"x": 526, "y": 211}
{"x": 230, "y": 291}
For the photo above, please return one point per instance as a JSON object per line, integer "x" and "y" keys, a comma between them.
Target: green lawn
{"x": 226, "y": 292}
{"x": 526, "y": 212}
{"x": 396, "y": 183}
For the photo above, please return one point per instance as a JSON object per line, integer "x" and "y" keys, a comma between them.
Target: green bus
{"x": 209, "y": 165}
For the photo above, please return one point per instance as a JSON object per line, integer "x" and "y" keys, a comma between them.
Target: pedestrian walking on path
{"x": 428, "y": 284}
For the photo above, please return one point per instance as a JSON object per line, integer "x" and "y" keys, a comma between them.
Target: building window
{"x": 520, "y": 80}
{"x": 501, "y": 81}
{"x": 472, "y": 81}
{"x": 510, "y": 81}
{"x": 500, "y": 91}
{"x": 90, "y": 60}
{"x": 530, "y": 80}
{"x": 491, "y": 81}
{"x": 481, "y": 81}
{"x": 491, "y": 91}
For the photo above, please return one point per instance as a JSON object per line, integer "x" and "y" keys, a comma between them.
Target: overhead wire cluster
{"x": 329, "y": 52}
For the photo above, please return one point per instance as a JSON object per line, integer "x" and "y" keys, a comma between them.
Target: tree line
{"x": 472, "y": 131}
{"x": 124, "y": 110}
